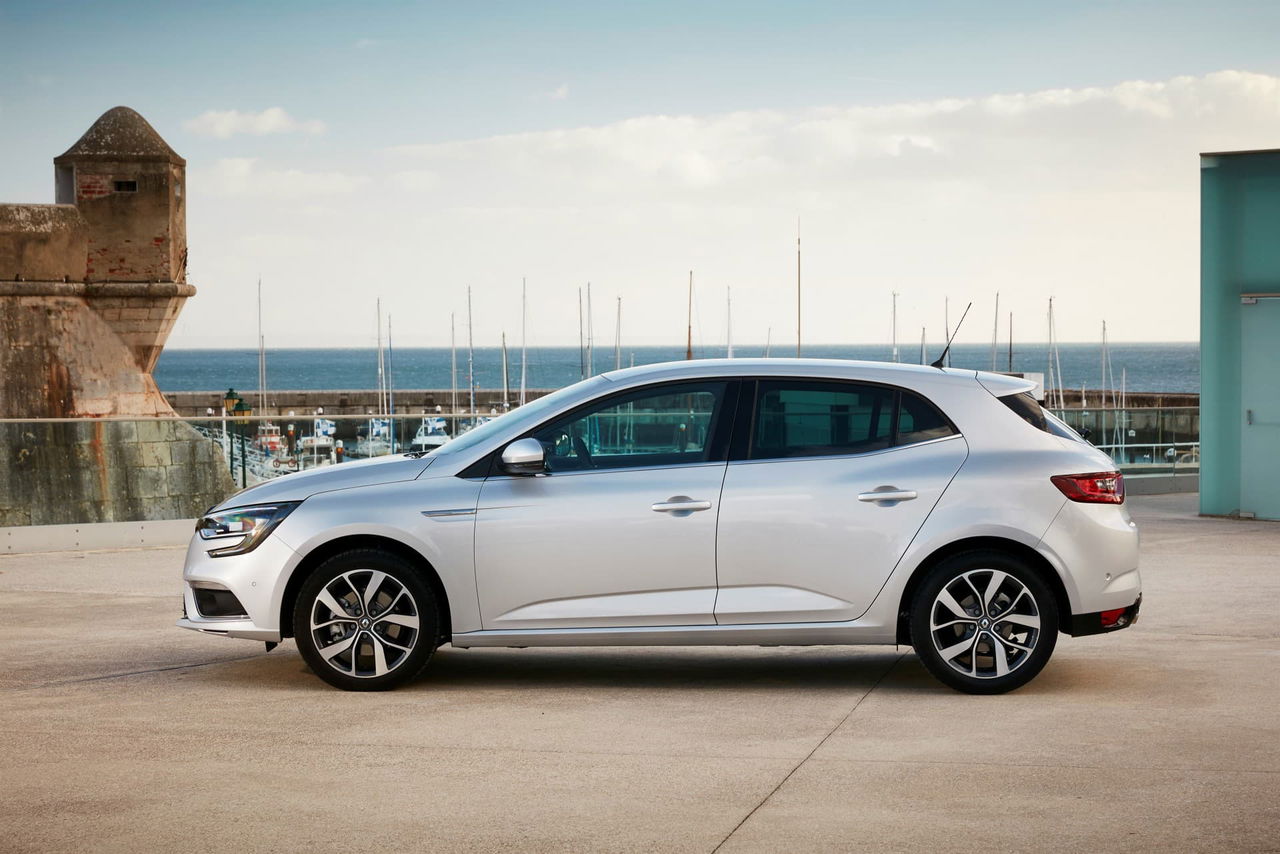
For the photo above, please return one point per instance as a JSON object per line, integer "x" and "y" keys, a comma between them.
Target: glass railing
{"x": 76, "y": 471}
{"x": 1142, "y": 441}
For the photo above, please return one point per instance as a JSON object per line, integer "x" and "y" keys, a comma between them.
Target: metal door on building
{"x": 1260, "y": 404}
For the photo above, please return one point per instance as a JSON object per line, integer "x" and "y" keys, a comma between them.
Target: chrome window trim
{"x": 700, "y": 464}
{"x": 956, "y": 435}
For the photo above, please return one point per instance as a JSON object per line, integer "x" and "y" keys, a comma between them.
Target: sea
{"x": 1169, "y": 367}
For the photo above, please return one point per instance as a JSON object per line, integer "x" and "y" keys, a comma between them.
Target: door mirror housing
{"x": 524, "y": 457}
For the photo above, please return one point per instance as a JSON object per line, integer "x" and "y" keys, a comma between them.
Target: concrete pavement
{"x": 120, "y": 732}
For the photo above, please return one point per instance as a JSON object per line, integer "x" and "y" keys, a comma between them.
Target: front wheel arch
{"x": 1033, "y": 558}
{"x": 324, "y": 551}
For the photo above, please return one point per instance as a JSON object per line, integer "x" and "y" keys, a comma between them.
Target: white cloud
{"x": 366, "y": 43}
{"x": 1090, "y": 194}
{"x": 242, "y": 176}
{"x": 223, "y": 124}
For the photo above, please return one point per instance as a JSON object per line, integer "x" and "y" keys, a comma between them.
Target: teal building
{"x": 1240, "y": 334}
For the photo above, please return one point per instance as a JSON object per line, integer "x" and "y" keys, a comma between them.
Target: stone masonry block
{"x": 155, "y": 454}
{"x": 150, "y": 431}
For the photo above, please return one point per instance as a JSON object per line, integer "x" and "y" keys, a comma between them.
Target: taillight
{"x": 1103, "y": 487}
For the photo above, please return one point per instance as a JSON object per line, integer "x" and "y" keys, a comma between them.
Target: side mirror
{"x": 523, "y": 457}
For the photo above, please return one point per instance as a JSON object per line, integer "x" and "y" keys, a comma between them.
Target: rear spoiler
{"x": 1002, "y": 385}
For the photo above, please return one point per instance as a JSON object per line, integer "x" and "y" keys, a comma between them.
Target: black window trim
{"x": 748, "y": 410}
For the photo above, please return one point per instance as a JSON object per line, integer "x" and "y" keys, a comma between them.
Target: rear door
{"x": 803, "y": 536}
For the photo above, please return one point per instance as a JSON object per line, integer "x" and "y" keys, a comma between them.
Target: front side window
{"x": 809, "y": 419}
{"x": 670, "y": 425}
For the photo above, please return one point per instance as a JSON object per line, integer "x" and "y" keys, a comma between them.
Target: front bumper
{"x": 256, "y": 579}
{"x": 230, "y": 629}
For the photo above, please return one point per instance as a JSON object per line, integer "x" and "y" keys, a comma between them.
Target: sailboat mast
{"x": 382, "y": 380}
{"x": 688, "y": 348}
{"x": 591, "y": 337}
{"x": 617, "y": 339}
{"x": 453, "y": 367}
{"x": 524, "y": 352}
{"x": 506, "y": 384}
{"x": 1011, "y": 342}
{"x": 922, "y": 354}
{"x": 995, "y": 331}
{"x": 262, "y": 358}
{"x": 391, "y": 389}
{"x": 895, "y": 326}
{"x": 797, "y": 287}
{"x": 768, "y": 341}
{"x": 582, "y": 352}
{"x": 471, "y": 361}
{"x": 729, "y": 321}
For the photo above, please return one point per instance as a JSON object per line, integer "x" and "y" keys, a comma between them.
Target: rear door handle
{"x": 680, "y": 505}
{"x": 887, "y": 497}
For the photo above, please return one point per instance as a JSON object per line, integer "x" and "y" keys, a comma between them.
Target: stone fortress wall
{"x": 90, "y": 288}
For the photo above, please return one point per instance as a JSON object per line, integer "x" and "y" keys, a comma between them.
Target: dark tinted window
{"x": 1030, "y": 411}
{"x": 920, "y": 421}
{"x": 661, "y": 426}
{"x": 808, "y": 419}
{"x": 1026, "y": 408}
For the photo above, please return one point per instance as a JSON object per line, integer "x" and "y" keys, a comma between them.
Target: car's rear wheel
{"x": 365, "y": 620}
{"x": 984, "y": 622}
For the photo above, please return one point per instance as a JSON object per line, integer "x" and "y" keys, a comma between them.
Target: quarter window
{"x": 920, "y": 421}
{"x": 653, "y": 427}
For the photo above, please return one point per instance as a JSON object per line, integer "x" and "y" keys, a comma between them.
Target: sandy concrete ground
{"x": 119, "y": 732}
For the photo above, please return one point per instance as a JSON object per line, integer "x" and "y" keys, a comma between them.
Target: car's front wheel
{"x": 984, "y": 622}
{"x": 365, "y": 620}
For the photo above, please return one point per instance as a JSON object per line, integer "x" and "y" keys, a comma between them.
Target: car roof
{"x": 887, "y": 372}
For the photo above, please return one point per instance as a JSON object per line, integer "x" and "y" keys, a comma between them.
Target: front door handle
{"x": 680, "y": 505}
{"x": 887, "y": 496}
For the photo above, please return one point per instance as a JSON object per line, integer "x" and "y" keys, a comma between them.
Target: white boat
{"x": 431, "y": 435}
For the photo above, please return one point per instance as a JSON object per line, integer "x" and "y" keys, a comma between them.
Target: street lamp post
{"x": 242, "y": 413}
{"x": 229, "y": 401}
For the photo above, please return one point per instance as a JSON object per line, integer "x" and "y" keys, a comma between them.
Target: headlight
{"x": 244, "y": 527}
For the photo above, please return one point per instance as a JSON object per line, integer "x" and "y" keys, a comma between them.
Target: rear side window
{"x": 809, "y": 419}
{"x": 1029, "y": 410}
{"x": 803, "y": 418}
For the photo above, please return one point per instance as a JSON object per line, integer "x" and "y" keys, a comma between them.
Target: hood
{"x": 304, "y": 484}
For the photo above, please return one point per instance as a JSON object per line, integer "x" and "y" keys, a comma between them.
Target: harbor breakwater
{"x": 304, "y": 403}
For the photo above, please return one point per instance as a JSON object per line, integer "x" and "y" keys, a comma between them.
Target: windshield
{"x": 516, "y": 421}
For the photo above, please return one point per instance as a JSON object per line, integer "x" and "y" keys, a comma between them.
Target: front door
{"x": 621, "y": 531}
{"x": 1260, "y": 402}
{"x": 803, "y": 536}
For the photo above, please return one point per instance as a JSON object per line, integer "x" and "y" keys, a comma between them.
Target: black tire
{"x": 1003, "y": 654}
{"x": 380, "y": 637}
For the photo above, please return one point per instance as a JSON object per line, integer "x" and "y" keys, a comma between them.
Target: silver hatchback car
{"x": 749, "y": 501}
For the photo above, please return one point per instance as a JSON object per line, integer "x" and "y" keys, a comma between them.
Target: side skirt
{"x": 777, "y": 634}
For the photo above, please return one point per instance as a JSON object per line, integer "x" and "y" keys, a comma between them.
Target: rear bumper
{"x": 1091, "y": 624}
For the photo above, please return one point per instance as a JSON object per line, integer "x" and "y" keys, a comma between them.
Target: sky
{"x": 346, "y": 152}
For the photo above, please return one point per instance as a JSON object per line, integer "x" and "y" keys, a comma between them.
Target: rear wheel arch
{"x": 1026, "y": 553}
{"x": 324, "y": 551}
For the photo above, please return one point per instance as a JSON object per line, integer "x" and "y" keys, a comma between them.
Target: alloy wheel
{"x": 984, "y": 623}
{"x": 364, "y": 623}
